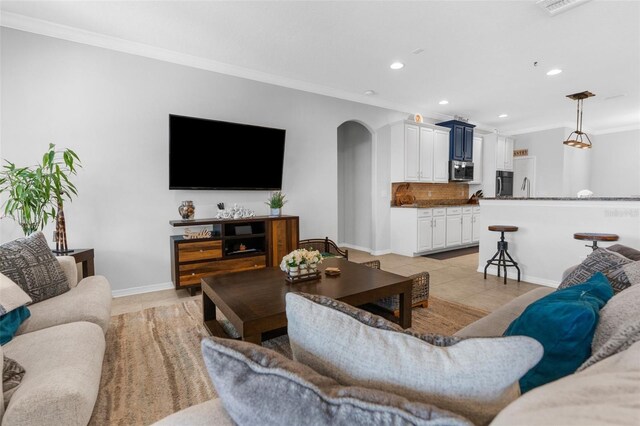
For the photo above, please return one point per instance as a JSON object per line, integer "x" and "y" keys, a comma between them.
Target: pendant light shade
{"x": 578, "y": 138}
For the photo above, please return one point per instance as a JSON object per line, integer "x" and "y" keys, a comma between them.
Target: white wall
{"x": 354, "y": 185}
{"x": 615, "y": 164}
{"x": 112, "y": 109}
{"x": 548, "y": 149}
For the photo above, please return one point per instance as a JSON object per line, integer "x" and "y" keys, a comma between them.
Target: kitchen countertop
{"x": 430, "y": 204}
{"x": 564, "y": 198}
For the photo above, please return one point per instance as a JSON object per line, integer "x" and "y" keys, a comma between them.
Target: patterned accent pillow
{"x": 12, "y": 295}
{"x": 376, "y": 321}
{"x": 29, "y": 263}
{"x": 624, "y": 276}
{"x": 12, "y": 374}
{"x": 257, "y": 383}
{"x": 618, "y": 328}
{"x": 600, "y": 260}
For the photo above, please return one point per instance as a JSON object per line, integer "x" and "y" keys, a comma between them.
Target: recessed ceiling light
{"x": 369, "y": 92}
{"x": 503, "y": 115}
{"x": 554, "y": 71}
{"x": 443, "y": 102}
{"x": 397, "y": 65}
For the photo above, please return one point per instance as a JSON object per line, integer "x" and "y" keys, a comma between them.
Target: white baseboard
{"x": 523, "y": 277}
{"x": 380, "y": 252}
{"x": 142, "y": 289}
{"x": 355, "y": 247}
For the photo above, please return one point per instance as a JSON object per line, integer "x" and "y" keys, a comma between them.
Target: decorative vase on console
{"x": 187, "y": 210}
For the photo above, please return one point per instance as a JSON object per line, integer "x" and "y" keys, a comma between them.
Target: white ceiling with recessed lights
{"x": 477, "y": 55}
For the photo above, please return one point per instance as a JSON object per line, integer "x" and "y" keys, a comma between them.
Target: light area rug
{"x": 153, "y": 366}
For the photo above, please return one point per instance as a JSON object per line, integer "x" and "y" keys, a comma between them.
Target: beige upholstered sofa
{"x": 605, "y": 393}
{"x": 61, "y": 347}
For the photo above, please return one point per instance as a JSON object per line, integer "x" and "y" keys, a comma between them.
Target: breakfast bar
{"x": 544, "y": 245}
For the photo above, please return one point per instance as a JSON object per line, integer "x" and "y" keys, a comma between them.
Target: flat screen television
{"x": 211, "y": 154}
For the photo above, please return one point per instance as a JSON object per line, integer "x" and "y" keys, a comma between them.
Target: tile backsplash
{"x": 402, "y": 192}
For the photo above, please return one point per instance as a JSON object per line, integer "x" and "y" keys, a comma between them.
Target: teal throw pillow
{"x": 10, "y": 322}
{"x": 564, "y": 323}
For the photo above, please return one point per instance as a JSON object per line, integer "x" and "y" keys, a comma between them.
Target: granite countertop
{"x": 429, "y": 204}
{"x": 564, "y": 198}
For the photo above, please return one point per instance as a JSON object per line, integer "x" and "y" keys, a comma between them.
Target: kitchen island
{"x": 544, "y": 245}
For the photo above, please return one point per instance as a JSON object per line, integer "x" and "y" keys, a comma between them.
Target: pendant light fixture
{"x": 578, "y": 138}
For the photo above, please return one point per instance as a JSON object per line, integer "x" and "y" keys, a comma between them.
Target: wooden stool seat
{"x": 591, "y": 236}
{"x": 503, "y": 228}
{"x": 595, "y": 237}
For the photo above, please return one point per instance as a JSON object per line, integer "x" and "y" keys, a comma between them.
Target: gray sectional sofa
{"x": 61, "y": 347}
{"x": 607, "y": 392}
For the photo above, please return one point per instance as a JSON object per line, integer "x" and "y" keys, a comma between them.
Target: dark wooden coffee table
{"x": 254, "y": 301}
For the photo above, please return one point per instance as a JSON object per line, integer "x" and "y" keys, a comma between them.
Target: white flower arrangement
{"x": 300, "y": 257}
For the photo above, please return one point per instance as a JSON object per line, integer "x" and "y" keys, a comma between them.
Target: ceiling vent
{"x": 554, "y": 7}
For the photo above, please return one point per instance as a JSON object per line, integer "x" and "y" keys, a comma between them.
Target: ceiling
{"x": 478, "y": 55}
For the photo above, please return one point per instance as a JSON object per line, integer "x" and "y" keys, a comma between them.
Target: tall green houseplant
{"x": 35, "y": 194}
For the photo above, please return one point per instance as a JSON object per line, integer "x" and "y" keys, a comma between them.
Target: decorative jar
{"x": 187, "y": 210}
{"x": 313, "y": 267}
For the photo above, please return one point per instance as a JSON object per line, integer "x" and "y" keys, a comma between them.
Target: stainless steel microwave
{"x": 460, "y": 171}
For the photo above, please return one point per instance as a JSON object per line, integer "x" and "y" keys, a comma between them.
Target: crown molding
{"x": 50, "y": 29}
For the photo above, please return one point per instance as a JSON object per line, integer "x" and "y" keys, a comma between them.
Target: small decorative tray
{"x": 332, "y": 272}
{"x": 303, "y": 277}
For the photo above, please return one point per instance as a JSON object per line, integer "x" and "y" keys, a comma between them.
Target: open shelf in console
{"x": 244, "y": 228}
{"x": 250, "y": 245}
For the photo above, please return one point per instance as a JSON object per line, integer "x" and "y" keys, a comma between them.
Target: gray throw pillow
{"x": 12, "y": 374}
{"x": 627, "y": 252}
{"x": 376, "y": 321}
{"x": 29, "y": 263}
{"x": 618, "y": 327}
{"x": 260, "y": 386}
{"x": 474, "y": 377}
{"x": 600, "y": 260}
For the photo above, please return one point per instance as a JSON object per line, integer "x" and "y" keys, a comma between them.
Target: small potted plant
{"x": 275, "y": 202}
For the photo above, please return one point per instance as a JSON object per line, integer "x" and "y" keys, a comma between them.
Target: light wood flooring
{"x": 454, "y": 279}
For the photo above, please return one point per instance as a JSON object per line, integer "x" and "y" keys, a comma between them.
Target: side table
{"x": 85, "y": 257}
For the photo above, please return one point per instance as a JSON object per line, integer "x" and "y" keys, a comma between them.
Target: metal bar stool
{"x": 500, "y": 258}
{"x": 594, "y": 238}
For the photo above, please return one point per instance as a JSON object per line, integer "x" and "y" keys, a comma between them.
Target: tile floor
{"x": 453, "y": 279}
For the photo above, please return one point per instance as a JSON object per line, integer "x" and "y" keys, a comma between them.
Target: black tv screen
{"x": 210, "y": 154}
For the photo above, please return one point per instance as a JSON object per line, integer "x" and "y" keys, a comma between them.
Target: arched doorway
{"x": 355, "y": 171}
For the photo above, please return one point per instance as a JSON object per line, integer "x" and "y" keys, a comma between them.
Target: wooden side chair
{"x": 325, "y": 246}
{"x": 419, "y": 291}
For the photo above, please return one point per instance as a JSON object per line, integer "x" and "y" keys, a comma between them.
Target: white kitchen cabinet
{"x": 504, "y": 154}
{"x": 411, "y": 153}
{"x": 477, "y": 161}
{"x": 467, "y": 225}
{"x": 426, "y": 155}
{"x": 441, "y": 156}
{"x": 417, "y": 231}
{"x": 454, "y": 226}
{"x": 419, "y": 152}
{"x": 439, "y": 229}
{"x": 508, "y": 154}
{"x": 425, "y": 234}
{"x": 475, "y": 225}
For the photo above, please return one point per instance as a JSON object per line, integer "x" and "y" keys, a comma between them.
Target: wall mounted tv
{"x": 210, "y": 154}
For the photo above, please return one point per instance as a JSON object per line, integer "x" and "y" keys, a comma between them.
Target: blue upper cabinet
{"x": 460, "y": 140}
